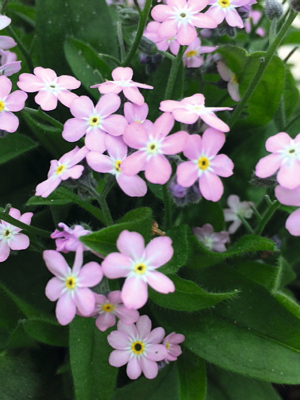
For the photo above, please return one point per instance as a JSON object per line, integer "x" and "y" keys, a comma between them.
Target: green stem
{"x": 22, "y": 48}
{"x": 246, "y": 225}
{"x": 168, "y": 207}
{"x": 272, "y": 207}
{"x": 110, "y": 57}
{"x": 262, "y": 68}
{"x": 105, "y": 210}
{"x": 167, "y": 55}
{"x": 256, "y": 213}
{"x": 4, "y": 6}
{"x": 137, "y": 6}
{"x": 290, "y": 54}
{"x": 273, "y": 30}
{"x": 291, "y": 122}
{"x": 173, "y": 73}
{"x": 42, "y": 115}
{"x": 120, "y": 40}
{"x": 141, "y": 27}
{"x": 25, "y": 227}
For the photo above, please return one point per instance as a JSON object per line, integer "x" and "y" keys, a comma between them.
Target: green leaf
{"x": 86, "y": 64}
{"x": 180, "y": 236}
{"x": 265, "y": 100}
{"x": 46, "y": 331}
{"x": 27, "y": 13}
{"x": 188, "y": 296}
{"x": 13, "y": 145}
{"x": 94, "y": 378}
{"x": 104, "y": 241}
{"x": 163, "y": 387}
{"x": 223, "y": 385}
{"x": 253, "y": 334}
{"x": 201, "y": 257}
{"x": 192, "y": 377}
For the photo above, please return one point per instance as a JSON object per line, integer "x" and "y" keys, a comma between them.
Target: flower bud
{"x": 128, "y": 16}
{"x": 274, "y": 9}
{"x": 147, "y": 46}
{"x": 295, "y": 4}
{"x": 263, "y": 182}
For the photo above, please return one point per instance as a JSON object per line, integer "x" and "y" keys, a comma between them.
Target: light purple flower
{"x": 192, "y": 56}
{"x": 108, "y": 309}
{"x": 151, "y": 32}
{"x": 6, "y": 42}
{"x": 230, "y": 77}
{"x": 152, "y": 144}
{"x": 138, "y": 114}
{"x": 71, "y": 286}
{"x": 122, "y": 81}
{"x": 66, "y": 167}
{"x": 226, "y": 9}
{"x": 205, "y": 164}
{"x": 138, "y": 264}
{"x": 171, "y": 342}
{"x": 8, "y": 63}
{"x": 8, "y": 103}
{"x": 190, "y": 109}
{"x": 214, "y": 241}
{"x": 68, "y": 239}
{"x": 138, "y": 346}
{"x": 133, "y": 186}
{"x": 4, "y": 21}
{"x": 290, "y": 198}
{"x": 95, "y": 122}
{"x": 237, "y": 208}
{"x": 50, "y": 87}
{"x": 10, "y": 236}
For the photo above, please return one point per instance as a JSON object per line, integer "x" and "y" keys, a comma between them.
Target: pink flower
{"x": 138, "y": 265}
{"x": 205, "y": 164}
{"x": 151, "y": 32}
{"x": 134, "y": 113}
{"x": 62, "y": 170}
{"x": 290, "y": 198}
{"x": 214, "y": 241}
{"x": 8, "y": 63}
{"x": 49, "y": 87}
{"x": 122, "y": 80}
{"x": 133, "y": 186}
{"x": 8, "y": 103}
{"x": 152, "y": 144}
{"x": 10, "y": 236}
{"x": 109, "y": 308}
{"x": 255, "y": 16}
{"x": 190, "y": 109}
{"x": 70, "y": 286}
{"x": 192, "y": 56}
{"x": 138, "y": 346}
{"x": 67, "y": 239}
{"x": 180, "y": 17}
{"x": 230, "y": 77}
{"x": 226, "y": 9}
{"x": 285, "y": 157}
{"x": 4, "y": 22}
{"x": 171, "y": 342}
{"x": 95, "y": 122}
{"x": 237, "y": 208}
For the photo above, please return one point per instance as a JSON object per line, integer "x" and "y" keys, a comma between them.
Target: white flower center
{"x": 60, "y": 169}
{"x": 183, "y": 15}
{"x": 123, "y": 83}
{"x": 2, "y": 106}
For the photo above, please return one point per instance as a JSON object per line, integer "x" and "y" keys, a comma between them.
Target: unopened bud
{"x": 128, "y": 16}
{"x": 147, "y": 46}
{"x": 274, "y": 9}
{"x": 244, "y": 11}
{"x": 295, "y": 4}
{"x": 263, "y": 182}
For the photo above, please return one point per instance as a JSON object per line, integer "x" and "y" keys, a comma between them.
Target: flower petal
{"x": 90, "y": 274}
{"x": 56, "y": 263}
{"x": 211, "y": 186}
{"x": 54, "y": 289}
{"x": 159, "y": 251}
{"x": 118, "y": 358}
{"x": 116, "y": 265}
{"x": 131, "y": 244}
{"x": 65, "y": 309}
{"x": 160, "y": 282}
{"x": 134, "y": 293}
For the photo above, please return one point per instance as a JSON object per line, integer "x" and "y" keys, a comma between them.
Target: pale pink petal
{"x": 115, "y": 124}
{"x": 118, "y": 340}
{"x": 133, "y": 94}
{"x": 185, "y": 116}
{"x": 116, "y": 147}
{"x": 8, "y": 122}
{"x": 66, "y": 97}
{"x": 45, "y": 188}
{"x": 46, "y": 74}
{"x": 169, "y": 105}
{"x": 65, "y": 309}
{"x": 4, "y": 22}
{"x": 287, "y": 196}
{"x": 135, "y": 135}
{"x": 108, "y": 87}
{"x": 122, "y": 74}
{"x": 73, "y": 173}
{"x": 156, "y": 352}
{"x": 131, "y": 244}
{"x": 158, "y": 170}
{"x": 149, "y": 368}
{"x": 197, "y": 5}
{"x": 211, "y": 186}
{"x": 74, "y": 129}
{"x": 193, "y": 147}
{"x": 278, "y": 142}
{"x": 156, "y": 335}
{"x": 29, "y": 83}
{"x": 4, "y": 250}
{"x": 46, "y": 99}
{"x": 161, "y": 13}
{"x": 118, "y": 358}
{"x": 95, "y": 140}
{"x": 222, "y": 165}
{"x": 133, "y": 368}
{"x": 99, "y": 162}
{"x": 56, "y": 263}
{"x": 19, "y": 242}
{"x": 174, "y": 47}
{"x": 126, "y": 315}
{"x": 85, "y": 301}
{"x": 90, "y": 274}
{"x": 6, "y": 42}
{"x": 82, "y": 107}
{"x": 289, "y": 175}
{"x": 116, "y": 265}
{"x": 212, "y": 141}
{"x": 142, "y": 85}
{"x": 164, "y": 124}
{"x": 233, "y": 18}
{"x": 16, "y": 101}
{"x": 133, "y": 112}
{"x": 26, "y": 218}
{"x": 105, "y": 321}
{"x": 143, "y": 326}
{"x": 68, "y": 82}
{"x": 268, "y": 165}
{"x": 187, "y": 174}
{"x": 216, "y": 13}
{"x": 133, "y": 186}
{"x": 115, "y": 297}
{"x": 134, "y": 293}
{"x": 74, "y": 156}
{"x": 233, "y": 91}
{"x": 160, "y": 282}
{"x": 54, "y": 289}
{"x": 134, "y": 163}
{"x": 187, "y": 33}
{"x": 293, "y": 223}
{"x": 168, "y": 29}
{"x": 212, "y": 120}
{"x": 129, "y": 330}
{"x": 159, "y": 251}
{"x": 223, "y": 71}
{"x": 108, "y": 104}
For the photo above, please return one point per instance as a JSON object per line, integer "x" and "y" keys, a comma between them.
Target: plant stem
{"x": 168, "y": 207}
{"x": 120, "y": 40}
{"x": 273, "y": 30}
{"x": 167, "y": 55}
{"x": 272, "y": 207}
{"x": 42, "y": 115}
{"x": 262, "y": 68}
{"x": 141, "y": 27}
{"x": 22, "y": 48}
{"x": 256, "y": 212}
{"x": 290, "y": 54}
{"x": 4, "y": 6}
{"x": 105, "y": 210}
{"x": 173, "y": 73}
{"x": 114, "y": 59}
{"x": 246, "y": 225}
{"x": 137, "y": 6}
{"x": 25, "y": 227}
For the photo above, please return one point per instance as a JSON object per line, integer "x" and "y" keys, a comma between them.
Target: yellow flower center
{"x": 152, "y": 148}
{"x": 234, "y": 79}
{"x": 167, "y": 345}
{"x": 224, "y": 3}
{"x": 138, "y": 121}
{"x": 70, "y": 282}
{"x": 108, "y": 307}
{"x": 203, "y": 163}
{"x": 140, "y": 269}
{"x": 2, "y": 105}
{"x": 6, "y": 233}
{"x": 191, "y": 53}
{"x": 118, "y": 166}
{"x": 94, "y": 121}
{"x": 60, "y": 169}
{"x": 138, "y": 347}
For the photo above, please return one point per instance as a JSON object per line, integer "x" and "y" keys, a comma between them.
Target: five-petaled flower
{"x": 226, "y": 9}
{"x": 171, "y": 342}
{"x": 192, "y": 56}
{"x": 214, "y": 241}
